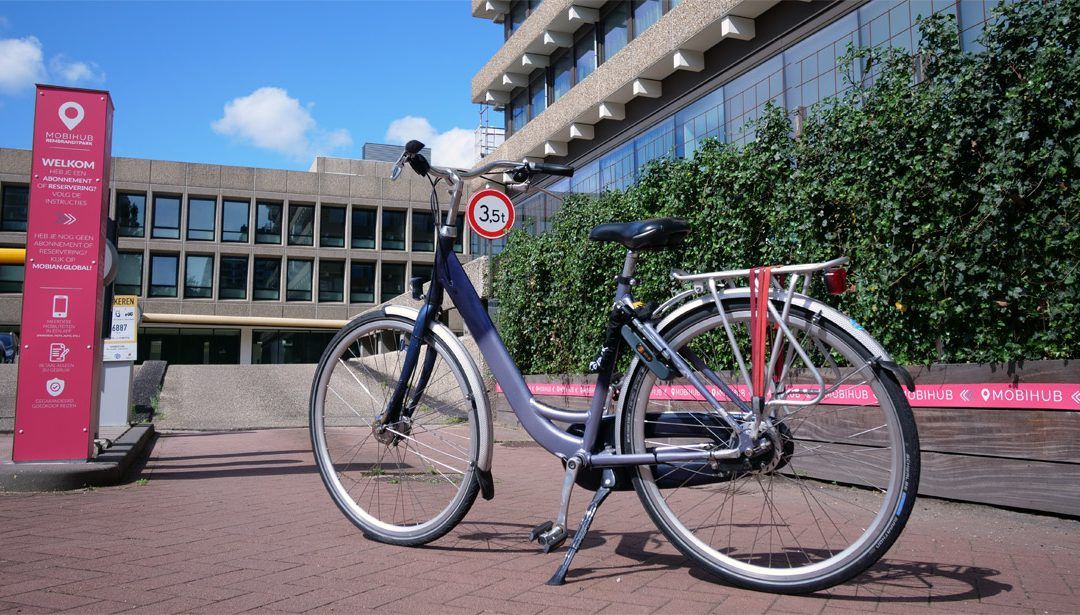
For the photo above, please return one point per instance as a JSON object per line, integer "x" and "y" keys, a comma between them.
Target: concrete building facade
{"x": 608, "y": 86}
{"x": 206, "y": 239}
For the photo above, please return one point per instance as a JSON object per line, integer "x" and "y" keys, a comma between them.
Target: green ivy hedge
{"x": 954, "y": 198}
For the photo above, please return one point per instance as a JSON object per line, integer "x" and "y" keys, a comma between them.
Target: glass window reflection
{"x": 130, "y": 214}
{"x": 234, "y": 220}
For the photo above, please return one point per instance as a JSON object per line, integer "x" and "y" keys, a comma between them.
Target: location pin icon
{"x": 986, "y": 394}
{"x": 71, "y": 122}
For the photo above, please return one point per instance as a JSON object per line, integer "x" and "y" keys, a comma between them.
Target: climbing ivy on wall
{"x": 949, "y": 180}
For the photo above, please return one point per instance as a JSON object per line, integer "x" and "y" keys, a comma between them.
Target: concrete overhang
{"x": 550, "y": 27}
{"x": 676, "y": 42}
{"x": 494, "y": 10}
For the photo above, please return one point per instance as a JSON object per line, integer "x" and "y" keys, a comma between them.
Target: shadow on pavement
{"x": 887, "y": 581}
{"x": 923, "y": 581}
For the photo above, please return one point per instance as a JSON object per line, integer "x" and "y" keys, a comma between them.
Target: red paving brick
{"x": 235, "y": 522}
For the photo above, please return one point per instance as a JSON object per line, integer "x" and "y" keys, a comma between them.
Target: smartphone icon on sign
{"x": 60, "y": 306}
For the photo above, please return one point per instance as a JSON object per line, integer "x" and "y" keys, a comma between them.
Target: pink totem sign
{"x": 60, "y": 362}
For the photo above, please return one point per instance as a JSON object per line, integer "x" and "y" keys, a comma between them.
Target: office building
{"x": 608, "y": 86}
{"x": 207, "y": 239}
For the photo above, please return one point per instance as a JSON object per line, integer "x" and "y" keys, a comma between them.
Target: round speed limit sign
{"x": 490, "y": 214}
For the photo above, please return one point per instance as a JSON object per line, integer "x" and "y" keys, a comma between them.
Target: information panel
{"x": 123, "y": 343}
{"x": 59, "y": 365}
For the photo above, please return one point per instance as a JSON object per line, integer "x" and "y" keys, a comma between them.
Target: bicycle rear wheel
{"x": 413, "y": 482}
{"x": 829, "y": 499}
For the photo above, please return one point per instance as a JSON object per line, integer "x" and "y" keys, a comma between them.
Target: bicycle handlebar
{"x": 520, "y": 170}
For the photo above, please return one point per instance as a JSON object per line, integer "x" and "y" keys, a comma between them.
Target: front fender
{"x": 471, "y": 373}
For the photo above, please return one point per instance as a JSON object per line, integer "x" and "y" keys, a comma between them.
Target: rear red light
{"x": 836, "y": 281}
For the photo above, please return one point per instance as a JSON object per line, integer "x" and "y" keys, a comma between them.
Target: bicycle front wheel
{"x": 414, "y": 481}
{"x": 829, "y": 497}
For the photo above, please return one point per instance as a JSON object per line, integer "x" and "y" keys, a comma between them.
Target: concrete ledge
{"x": 109, "y": 468}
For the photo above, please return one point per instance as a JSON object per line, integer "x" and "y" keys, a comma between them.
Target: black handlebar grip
{"x": 562, "y": 170}
{"x": 414, "y": 146}
{"x": 419, "y": 163}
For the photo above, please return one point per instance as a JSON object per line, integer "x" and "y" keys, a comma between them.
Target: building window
{"x": 656, "y": 142}
{"x": 298, "y": 282}
{"x": 700, "y": 120}
{"x": 232, "y": 281}
{"x": 198, "y": 276}
{"x": 519, "y": 109}
{"x": 128, "y": 274}
{"x": 562, "y": 75}
{"x": 189, "y": 346}
{"x": 14, "y": 208}
{"x": 291, "y": 346}
{"x": 331, "y": 227}
{"x": 538, "y": 94}
{"x": 810, "y": 71}
{"x": 363, "y": 227}
{"x": 393, "y": 229}
{"x": 393, "y": 281}
{"x": 200, "y": 218}
{"x": 586, "y": 179}
{"x": 234, "y": 220}
{"x": 746, "y": 95}
{"x": 163, "y": 273}
{"x": 130, "y": 214}
{"x": 519, "y": 10}
{"x": 331, "y": 280}
{"x": 459, "y": 242}
{"x": 423, "y": 232}
{"x": 166, "y": 218}
{"x": 267, "y": 279}
{"x": 422, "y": 271}
{"x": 615, "y": 31}
{"x": 617, "y": 168}
{"x": 362, "y": 283}
{"x": 11, "y": 278}
{"x": 301, "y": 225}
{"x": 645, "y": 14}
{"x": 585, "y": 55}
{"x": 267, "y": 222}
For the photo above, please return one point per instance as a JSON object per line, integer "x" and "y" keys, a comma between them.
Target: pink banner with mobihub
{"x": 60, "y": 359}
{"x": 1040, "y": 396}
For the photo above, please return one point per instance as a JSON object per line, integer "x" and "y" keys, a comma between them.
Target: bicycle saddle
{"x": 643, "y": 234}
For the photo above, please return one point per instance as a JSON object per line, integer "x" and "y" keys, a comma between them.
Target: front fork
{"x": 396, "y": 418}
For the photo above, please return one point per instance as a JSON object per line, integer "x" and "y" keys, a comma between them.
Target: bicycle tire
{"x": 822, "y": 516}
{"x": 416, "y": 486}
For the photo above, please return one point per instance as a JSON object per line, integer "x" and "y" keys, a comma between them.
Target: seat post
{"x": 629, "y": 265}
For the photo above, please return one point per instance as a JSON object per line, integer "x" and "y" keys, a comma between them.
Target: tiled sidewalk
{"x": 232, "y": 522}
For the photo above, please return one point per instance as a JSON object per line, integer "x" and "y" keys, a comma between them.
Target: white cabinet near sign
{"x": 122, "y": 344}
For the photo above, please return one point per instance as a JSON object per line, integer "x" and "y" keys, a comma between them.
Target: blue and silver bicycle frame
{"x": 535, "y": 416}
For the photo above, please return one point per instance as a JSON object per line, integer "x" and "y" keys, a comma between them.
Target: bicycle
{"x": 792, "y": 474}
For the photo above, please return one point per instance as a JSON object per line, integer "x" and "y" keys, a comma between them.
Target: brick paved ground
{"x": 232, "y": 522}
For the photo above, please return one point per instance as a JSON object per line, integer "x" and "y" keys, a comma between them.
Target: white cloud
{"x": 73, "y": 72}
{"x": 271, "y": 119}
{"x": 453, "y": 148}
{"x": 21, "y": 64}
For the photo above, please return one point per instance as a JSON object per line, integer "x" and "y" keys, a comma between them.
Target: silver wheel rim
{"x": 733, "y": 561}
{"x": 438, "y": 454}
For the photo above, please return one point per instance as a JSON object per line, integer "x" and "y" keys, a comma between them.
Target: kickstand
{"x": 605, "y": 488}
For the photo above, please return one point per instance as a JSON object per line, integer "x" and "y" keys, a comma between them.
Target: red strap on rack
{"x": 759, "y": 318}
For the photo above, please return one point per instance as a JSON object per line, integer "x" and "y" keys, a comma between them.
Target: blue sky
{"x": 266, "y": 84}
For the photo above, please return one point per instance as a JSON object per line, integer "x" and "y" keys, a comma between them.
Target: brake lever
{"x": 398, "y": 166}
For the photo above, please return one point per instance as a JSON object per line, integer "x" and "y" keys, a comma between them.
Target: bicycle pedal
{"x": 552, "y": 539}
{"x": 540, "y": 529}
